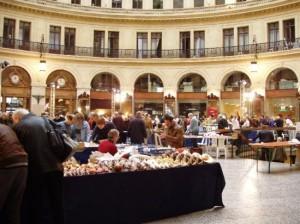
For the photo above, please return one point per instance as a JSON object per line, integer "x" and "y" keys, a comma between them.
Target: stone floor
{"x": 252, "y": 197}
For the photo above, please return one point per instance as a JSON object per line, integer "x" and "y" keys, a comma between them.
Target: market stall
{"x": 104, "y": 194}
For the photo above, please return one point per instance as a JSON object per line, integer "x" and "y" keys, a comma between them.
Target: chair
{"x": 285, "y": 136}
{"x": 222, "y": 144}
{"x": 213, "y": 140}
{"x": 157, "y": 140}
{"x": 275, "y": 135}
{"x": 203, "y": 143}
{"x": 291, "y": 134}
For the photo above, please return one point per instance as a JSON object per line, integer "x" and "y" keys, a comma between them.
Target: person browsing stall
{"x": 67, "y": 124}
{"x": 173, "y": 134}
{"x": 80, "y": 128}
{"x": 101, "y": 130}
{"x": 109, "y": 145}
{"x": 13, "y": 175}
{"x": 45, "y": 172}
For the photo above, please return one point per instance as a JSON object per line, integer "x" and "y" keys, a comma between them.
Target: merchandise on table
{"x": 105, "y": 163}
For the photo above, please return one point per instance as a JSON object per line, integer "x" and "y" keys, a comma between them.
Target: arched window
{"x": 234, "y": 81}
{"x": 105, "y": 82}
{"x": 65, "y": 92}
{"x": 192, "y": 83}
{"x": 62, "y": 79}
{"x": 148, "y": 83}
{"x": 282, "y": 78}
{"x": 16, "y": 88}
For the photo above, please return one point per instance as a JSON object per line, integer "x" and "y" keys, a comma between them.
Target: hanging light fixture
{"x": 253, "y": 64}
{"x": 43, "y": 65}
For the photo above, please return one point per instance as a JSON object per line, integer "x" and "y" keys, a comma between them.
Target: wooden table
{"x": 271, "y": 146}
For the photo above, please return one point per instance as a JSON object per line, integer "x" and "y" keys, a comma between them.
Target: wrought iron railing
{"x": 282, "y": 45}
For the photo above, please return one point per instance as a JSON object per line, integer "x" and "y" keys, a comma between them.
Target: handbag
{"x": 58, "y": 142}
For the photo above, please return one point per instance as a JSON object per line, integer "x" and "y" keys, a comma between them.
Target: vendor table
{"x": 271, "y": 146}
{"x": 135, "y": 197}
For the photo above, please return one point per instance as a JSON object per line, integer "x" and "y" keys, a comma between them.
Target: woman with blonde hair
{"x": 80, "y": 128}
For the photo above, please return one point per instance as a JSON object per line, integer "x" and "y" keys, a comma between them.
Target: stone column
{"x": 38, "y": 99}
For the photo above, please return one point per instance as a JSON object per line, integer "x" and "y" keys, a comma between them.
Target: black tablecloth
{"x": 135, "y": 197}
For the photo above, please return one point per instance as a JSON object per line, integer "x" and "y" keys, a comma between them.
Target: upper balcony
{"x": 211, "y": 11}
{"x": 201, "y": 53}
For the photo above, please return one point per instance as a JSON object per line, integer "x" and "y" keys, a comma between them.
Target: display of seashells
{"x": 135, "y": 162}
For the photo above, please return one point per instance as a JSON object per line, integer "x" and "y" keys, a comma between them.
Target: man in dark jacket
{"x": 137, "y": 129}
{"x": 43, "y": 195}
{"x": 120, "y": 125}
{"x": 279, "y": 124}
{"x": 222, "y": 122}
{"x": 13, "y": 173}
{"x": 265, "y": 136}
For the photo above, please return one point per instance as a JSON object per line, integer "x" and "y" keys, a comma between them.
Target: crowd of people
{"x": 31, "y": 176}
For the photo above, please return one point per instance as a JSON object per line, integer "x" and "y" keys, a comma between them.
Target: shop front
{"x": 104, "y": 87}
{"x": 282, "y": 93}
{"x": 61, "y": 85}
{"x": 234, "y": 88}
{"x": 148, "y": 95}
{"x": 16, "y": 89}
{"x": 192, "y": 95}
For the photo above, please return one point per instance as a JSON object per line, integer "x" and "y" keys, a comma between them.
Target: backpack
{"x": 57, "y": 140}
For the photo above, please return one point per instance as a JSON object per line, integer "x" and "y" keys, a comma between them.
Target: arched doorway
{"x": 148, "y": 94}
{"x": 103, "y": 87}
{"x": 64, "y": 84}
{"x": 16, "y": 88}
{"x": 192, "y": 95}
{"x": 282, "y": 93}
{"x": 235, "y": 85}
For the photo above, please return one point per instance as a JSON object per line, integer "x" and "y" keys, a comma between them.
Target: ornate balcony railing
{"x": 282, "y": 45}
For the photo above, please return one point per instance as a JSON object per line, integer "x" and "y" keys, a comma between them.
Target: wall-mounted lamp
{"x": 38, "y": 98}
{"x": 43, "y": 65}
{"x": 4, "y": 64}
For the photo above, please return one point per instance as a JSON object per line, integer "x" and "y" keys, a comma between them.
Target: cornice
{"x": 148, "y": 16}
{"x": 132, "y": 62}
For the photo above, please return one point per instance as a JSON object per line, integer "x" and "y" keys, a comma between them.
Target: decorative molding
{"x": 84, "y": 95}
{"x": 169, "y": 97}
{"x": 281, "y": 93}
{"x": 230, "y": 94}
{"x": 208, "y": 14}
{"x": 212, "y": 97}
{"x": 148, "y": 96}
{"x": 191, "y": 96}
{"x": 38, "y": 98}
